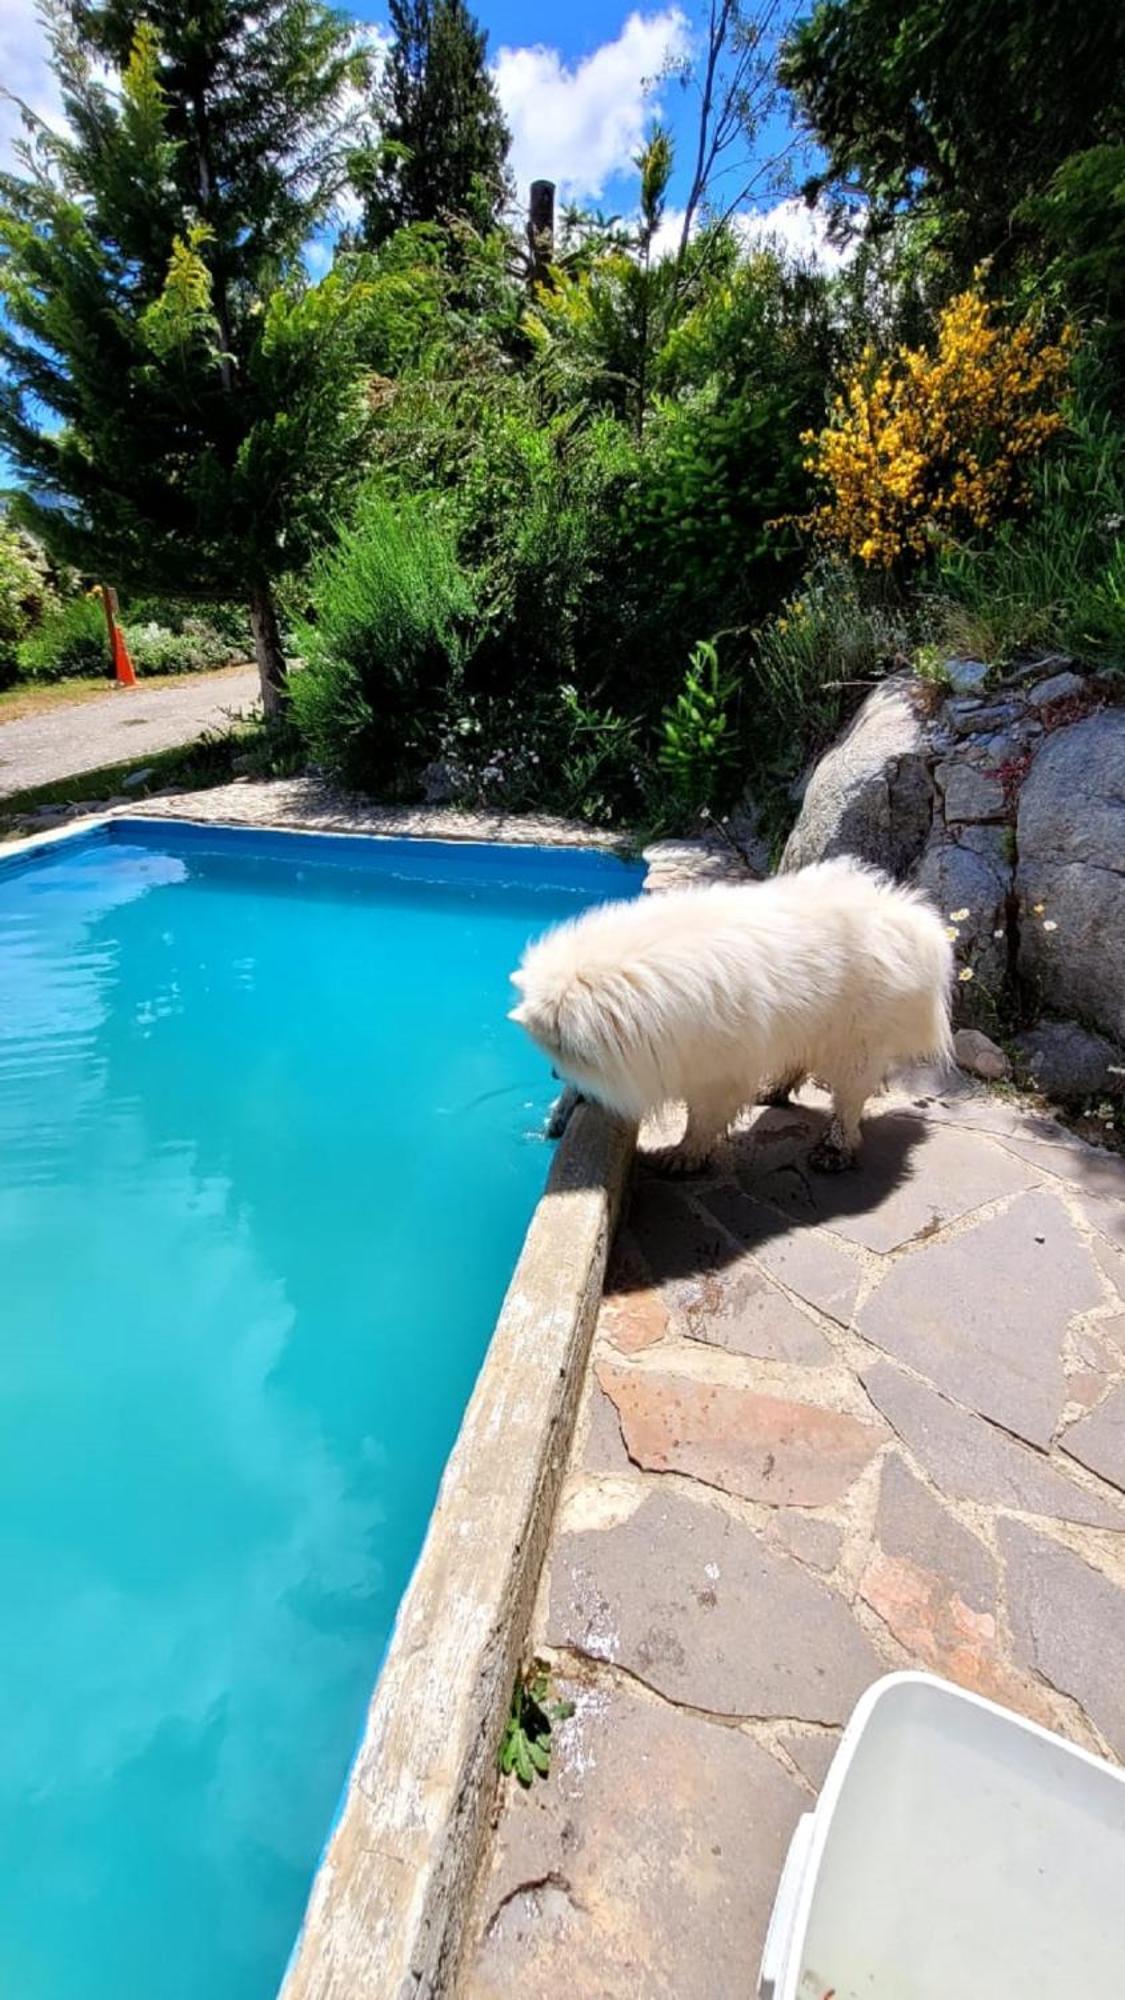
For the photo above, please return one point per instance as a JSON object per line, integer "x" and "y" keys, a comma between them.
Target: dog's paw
{"x": 675, "y": 1161}
{"x": 829, "y": 1157}
{"x": 563, "y": 1110}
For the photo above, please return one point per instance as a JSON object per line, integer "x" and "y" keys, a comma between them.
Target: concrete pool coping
{"x": 389, "y": 1902}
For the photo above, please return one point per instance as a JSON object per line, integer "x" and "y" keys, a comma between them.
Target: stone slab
{"x": 813, "y": 1541}
{"x": 911, "y": 1179}
{"x": 742, "y": 1311}
{"x": 646, "y": 1865}
{"x": 771, "y": 1449}
{"x": 984, "y": 1315}
{"x": 1068, "y": 1623}
{"x": 805, "y": 1261}
{"x": 812, "y": 1751}
{"x": 913, "y": 1525}
{"x": 970, "y": 1460}
{"x": 694, "y": 1604}
{"x": 1098, "y": 1441}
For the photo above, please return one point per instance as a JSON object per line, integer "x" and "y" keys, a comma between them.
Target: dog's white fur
{"x": 707, "y": 996}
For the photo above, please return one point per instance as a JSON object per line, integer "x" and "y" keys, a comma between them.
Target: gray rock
{"x": 970, "y": 794}
{"x": 1070, "y": 835}
{"x": 957, "y": 878}
{"x": 1058, "y": 687}
{"x": 747, "y": 830}
{"x": 979, "y": 718}
{"x": 1067, "y": 1061}
{"x": 966, "y": 676}
{"x": 870, "y": 794}
{"x": 980, "y": 1056}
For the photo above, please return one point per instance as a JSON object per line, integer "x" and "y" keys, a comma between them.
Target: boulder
{"x": 1070, "y": 836}
{"x": 1068, "y": 1061}
{"x": 979, "y": 1056}
{"x": 966, "y": 676}
{"x": 970, "y": 793}
{"x": 871, "y": 794}
{"x": 971, "y": 894}
{"x": 1057, "y": 687}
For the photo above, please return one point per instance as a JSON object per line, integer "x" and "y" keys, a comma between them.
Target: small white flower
{"x": 958, "y": 916}
{"x": 965, "y": 973}
{"x": 1050, "y": 924}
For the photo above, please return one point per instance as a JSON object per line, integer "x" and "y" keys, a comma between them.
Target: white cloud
{"x": 579, "y": 126}
{"x": 798, "y": 230}
{"x": 25, "y": 72}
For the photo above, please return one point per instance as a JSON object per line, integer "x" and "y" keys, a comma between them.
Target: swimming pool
{"x": 268, "y": 1148}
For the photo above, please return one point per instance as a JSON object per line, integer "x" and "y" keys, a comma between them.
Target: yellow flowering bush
{"x": 924, "y": 446}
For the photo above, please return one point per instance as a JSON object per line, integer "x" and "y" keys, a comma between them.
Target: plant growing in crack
{"x": 525, "y": 1746}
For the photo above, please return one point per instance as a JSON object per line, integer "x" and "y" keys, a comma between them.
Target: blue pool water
{"x": 268, "y": 1148}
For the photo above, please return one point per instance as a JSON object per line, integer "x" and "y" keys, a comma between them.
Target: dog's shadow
{"x": 759, "y": 1187}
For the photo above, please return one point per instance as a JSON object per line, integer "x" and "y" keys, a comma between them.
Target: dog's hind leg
{"x": 779, "y": 1091}
{"x": 850, "y": 1088}
{"x": 709, "y": 1116}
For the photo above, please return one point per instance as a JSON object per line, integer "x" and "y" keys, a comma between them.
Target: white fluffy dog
{"x": 710, "y": 996}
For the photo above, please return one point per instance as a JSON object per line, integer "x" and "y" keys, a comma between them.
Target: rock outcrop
{"x": 1007, "y": 806}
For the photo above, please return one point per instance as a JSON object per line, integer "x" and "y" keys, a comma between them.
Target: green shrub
{"x": 698, "y": 744}
{"x": 1055, "y": 576}
{"x": 195, "y": 648}
{"x": 814, "y": 661}
{"x": 25, "y": 595}
{"x": 385, "y": 639}
{"x": 70, "y": 641}
{"x": 546, "y": 752}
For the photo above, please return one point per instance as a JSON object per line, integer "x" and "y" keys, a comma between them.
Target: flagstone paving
{"x": 831, "y": 1426}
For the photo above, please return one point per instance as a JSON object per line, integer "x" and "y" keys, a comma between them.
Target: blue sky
{"x": 578, "y": 85}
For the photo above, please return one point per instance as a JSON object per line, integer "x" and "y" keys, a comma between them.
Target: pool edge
{"x": 389, "y": 1902}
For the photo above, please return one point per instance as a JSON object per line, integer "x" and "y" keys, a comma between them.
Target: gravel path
{"x": 129, "y": 723}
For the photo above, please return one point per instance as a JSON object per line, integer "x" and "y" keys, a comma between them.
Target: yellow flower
{"x": 952, "y": 933}
{"x": 965, "y": 974}
{"x": 1038, "y": 908}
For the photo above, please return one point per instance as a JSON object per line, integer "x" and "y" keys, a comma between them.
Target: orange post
{"x": 118, "y": 650}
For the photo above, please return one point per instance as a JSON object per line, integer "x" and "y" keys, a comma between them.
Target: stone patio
{"x": 831, "y": 1427}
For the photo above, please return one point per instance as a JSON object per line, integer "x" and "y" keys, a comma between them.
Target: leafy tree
{"x": 444, "y": 142}
{"x": 966, "y": 107}
{"x": 203, "y": 393}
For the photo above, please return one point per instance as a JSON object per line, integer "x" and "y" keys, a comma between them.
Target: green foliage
{"x": 25, "y": 595}
{"x": 70, "y": 641}
{"x": 384, "y": 641}
{"x": 963, "y": 108}
{"x": 195, "y": 648}
{"x": 1054, "y": 576}
{"x": 443, "y": 141}
{"x": 525, "y": 1747}
{"x": 814, "y": 661}
{"x": 698, "y": 745}
{"x": 1082, "y": 218}
{"x": 546, "y": 751}
{"x": 203, "y": 395}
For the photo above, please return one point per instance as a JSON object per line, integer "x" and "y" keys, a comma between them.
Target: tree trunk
{"x": 267, "y": 651}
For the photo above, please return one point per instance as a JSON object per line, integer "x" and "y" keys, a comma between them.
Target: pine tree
{"x": 444, "y": 142}
{"x": 180, "y": 400}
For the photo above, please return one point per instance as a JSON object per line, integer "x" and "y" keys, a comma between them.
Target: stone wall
{"x": 1006, "y": 804}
